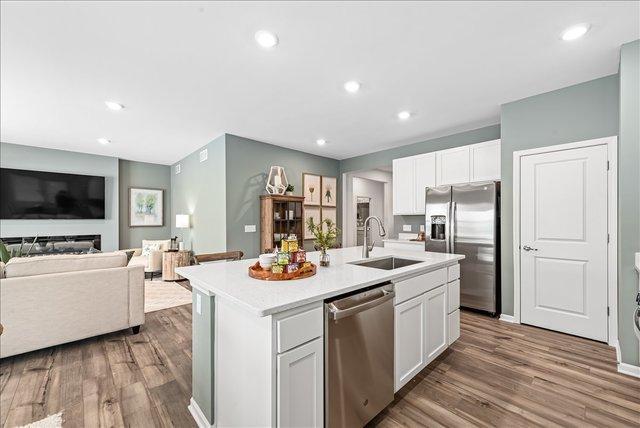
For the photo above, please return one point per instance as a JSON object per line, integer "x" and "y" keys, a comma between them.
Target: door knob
{"x": 528, "y": 248}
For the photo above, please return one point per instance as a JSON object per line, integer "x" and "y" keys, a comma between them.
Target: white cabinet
{"x": 410, "y": 335}
{"x": 485, "y": 161}
{"x": 425, "y": 176}
{"x": 437, "y": 322}
{"x": 300, "y": 377}
{"x": 403, "y": 186}
{"x": 454, "y": 326}
{"x": 452, "y": 166}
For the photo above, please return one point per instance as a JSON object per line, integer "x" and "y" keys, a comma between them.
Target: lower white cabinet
{"x": 410, "y": 336}
{"x": 454, "y": 326}
{"x": 300, "y": 386}
{"x": 436, "y": 301}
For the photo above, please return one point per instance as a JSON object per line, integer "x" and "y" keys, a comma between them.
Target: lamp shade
{"x": 182, "y": 221}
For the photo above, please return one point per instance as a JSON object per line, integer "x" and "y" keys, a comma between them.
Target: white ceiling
{"x": 190, "y": 71}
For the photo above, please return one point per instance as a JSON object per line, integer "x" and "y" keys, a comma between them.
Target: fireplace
{"x": 48, "y": 245}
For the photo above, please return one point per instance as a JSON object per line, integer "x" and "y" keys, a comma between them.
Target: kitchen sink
{"x": 387, "y": 263}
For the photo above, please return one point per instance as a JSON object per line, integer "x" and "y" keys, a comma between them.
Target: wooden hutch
{"x": 280, "y": 216}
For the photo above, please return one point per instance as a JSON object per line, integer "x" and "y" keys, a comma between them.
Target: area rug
{"x": 164, "y": 294}
{"x": 52, "y": 421}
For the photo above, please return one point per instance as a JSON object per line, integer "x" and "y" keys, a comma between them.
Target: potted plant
{"x": 324, "y": 237}
{"x": 289, "y": 190}
{"x": 6, "y": 255}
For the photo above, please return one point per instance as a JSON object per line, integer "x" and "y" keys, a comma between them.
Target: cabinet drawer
{"x": 415, "y": 286}
{"x": 299, "y": 328}
{"x": 454, "y": 326}
{"x": 453, "y": 296}
{"x": 454, "y": 272}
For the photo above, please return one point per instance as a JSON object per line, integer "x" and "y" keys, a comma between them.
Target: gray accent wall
{"x": 247, "y": 166}
{"x": 145, "y": 175}
{"x": 575, "y": 113}
{"x": 41, "y": 159}
{"x": 628, "y": 197}
{"x": 385, "y": 157}
{"x": 200, "y": 191}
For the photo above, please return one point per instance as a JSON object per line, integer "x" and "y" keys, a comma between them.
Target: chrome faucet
{"x": 365, "y": 245}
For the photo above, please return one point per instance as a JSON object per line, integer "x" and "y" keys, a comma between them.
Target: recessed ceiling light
{"x": 404, "y": 115}
{"x": 266, "y": 39}
{"x": 575, "y": 32}
{"x": 112, "y": 105}
{"x": 104, "y": 141}
{"x": 352, "y": 86}
{"x": 321, "y": 142}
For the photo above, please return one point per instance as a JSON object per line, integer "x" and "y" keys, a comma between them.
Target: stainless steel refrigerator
{"x": 464, "y": 219}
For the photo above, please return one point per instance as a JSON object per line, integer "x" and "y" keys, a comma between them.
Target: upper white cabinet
{"x": 403, "y": 188}
{"x": 452, "y": 166}
{"x": 425, "y": 176}
{"x": 485, "y": 161}
{"x": 466, "y": 164}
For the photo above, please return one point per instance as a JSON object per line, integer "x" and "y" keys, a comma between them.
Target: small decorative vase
{"x": 288, "y": 193}
{"x": 324, "y": 258}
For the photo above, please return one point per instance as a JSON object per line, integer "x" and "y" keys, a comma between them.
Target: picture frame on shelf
{"x": 311, "y": 189}
{"x": 314, "y": 213}
{"x": 146, "y": 207}
{"x": 329, "y": 191}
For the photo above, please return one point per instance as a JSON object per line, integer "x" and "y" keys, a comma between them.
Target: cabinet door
{"x": 437, "y": 322}
{"x": 410, "y": 351}
{"x": 485, "y": 161}
{"x": 300, "y": 386}
{"x": 452, "y": 166}
{"x": 403, "y": 186}
{"x": 425, "y": 176}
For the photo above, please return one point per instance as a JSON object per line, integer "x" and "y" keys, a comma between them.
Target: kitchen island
{"x": 258, "y": 347}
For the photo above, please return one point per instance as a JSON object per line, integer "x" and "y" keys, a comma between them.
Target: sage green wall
{"x": 148, "y": 175}
{"x": 628, "y": 197}
{"x": 575, "y": 113}
{"x": 41, "y": 159}
{"x": 247, "y": 166}
{"x": 199, "y": 190}
{"x": 385, "y": 157}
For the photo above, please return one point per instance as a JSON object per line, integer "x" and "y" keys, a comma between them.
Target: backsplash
{"x": 400, "y": 220}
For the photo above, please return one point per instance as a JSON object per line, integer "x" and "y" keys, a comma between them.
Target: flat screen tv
{"x": 26, "y": 194}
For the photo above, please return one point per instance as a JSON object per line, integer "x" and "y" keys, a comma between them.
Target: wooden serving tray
{"x": 255, "y": 271}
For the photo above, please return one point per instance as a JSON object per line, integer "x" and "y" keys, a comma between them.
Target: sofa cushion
{"x": 41, "y": 265}
{"x": 158, "y": 245}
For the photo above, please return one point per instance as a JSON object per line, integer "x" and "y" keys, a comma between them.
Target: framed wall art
{"x": 314, "y": 213}
{"x": 329, "y": 191}
{"x": 146, "y": 207}
{"x": 311, "y": 189}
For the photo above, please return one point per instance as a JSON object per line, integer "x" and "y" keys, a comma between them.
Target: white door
{"x": 563, "y": 240}
{"x": 410, "y": 335}
{"x": 485, "y": 161}
{"x": 437, "y": 322}
{"x": 300, "y": 385}
{"x": 452, "y": 166}
{"x": 403, "y": 186}
{"x": 425, "y": 171}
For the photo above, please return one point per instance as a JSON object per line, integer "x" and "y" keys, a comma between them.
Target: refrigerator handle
{"x": 452, "y": 232}
{"x": 447, "y": 230}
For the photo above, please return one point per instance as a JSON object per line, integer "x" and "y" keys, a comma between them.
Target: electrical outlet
{"x": 249, "y": 228}
{"x": 198, "y": 304}
{"x": 178, "y": 168}
{"x": 406, "y": 228}
{"x": 204, "y": 154}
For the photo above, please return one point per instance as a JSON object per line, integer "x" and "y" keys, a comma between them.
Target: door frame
{"x": 612, "y": 226}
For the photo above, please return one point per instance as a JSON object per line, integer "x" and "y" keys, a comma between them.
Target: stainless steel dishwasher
{"x": 358, "y": 356}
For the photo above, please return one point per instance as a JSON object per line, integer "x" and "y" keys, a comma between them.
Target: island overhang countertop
{"x": 230, "y": 280}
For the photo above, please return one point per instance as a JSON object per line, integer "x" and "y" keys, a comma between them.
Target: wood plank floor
{"x": 496, "y": 374}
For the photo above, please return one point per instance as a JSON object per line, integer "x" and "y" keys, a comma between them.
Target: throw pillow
{"x": 148, "y": 248}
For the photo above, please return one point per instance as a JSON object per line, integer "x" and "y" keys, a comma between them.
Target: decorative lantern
{"x": 277, "y": 182}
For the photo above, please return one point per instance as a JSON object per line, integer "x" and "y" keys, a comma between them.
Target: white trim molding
{"x": 508, "y": 318}
{"x": 612, "y": 226}
{"x": 198, "y": 415}
{"x": 629, "y": 369}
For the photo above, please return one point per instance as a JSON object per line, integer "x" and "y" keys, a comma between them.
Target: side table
{"x": 172, "y": 260}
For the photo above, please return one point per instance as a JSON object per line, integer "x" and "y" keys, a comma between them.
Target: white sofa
{"x": 49, "y": 300}
{"x": 150, "y": 255}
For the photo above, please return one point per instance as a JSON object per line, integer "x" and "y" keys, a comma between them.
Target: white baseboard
{"x": 198, "y": 415}
{"x": 629, "y": 369}
{"x": 616, "y": 345}
{"x": 508, "y": 318}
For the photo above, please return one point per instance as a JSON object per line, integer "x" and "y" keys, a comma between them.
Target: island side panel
{"x": 203, "y": 353}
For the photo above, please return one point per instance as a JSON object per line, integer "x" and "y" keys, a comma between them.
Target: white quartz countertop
{"x": 404, "y": 241}
{"x": 230, "y": 280}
